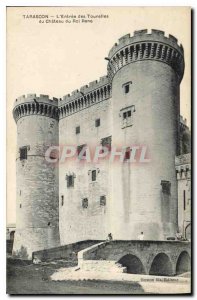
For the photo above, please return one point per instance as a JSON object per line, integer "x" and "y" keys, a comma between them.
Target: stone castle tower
{"x": 151, "y": 67}
{"x": 37, "y": 182}
{"x": 136, "y": 104}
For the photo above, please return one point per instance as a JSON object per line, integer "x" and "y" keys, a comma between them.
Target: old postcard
{"x": 98, "y": 150}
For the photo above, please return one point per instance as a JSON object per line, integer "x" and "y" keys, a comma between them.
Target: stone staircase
{"x": 102, "y": 266}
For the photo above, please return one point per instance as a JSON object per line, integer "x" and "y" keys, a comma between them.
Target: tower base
{"x": 27, "y": 240}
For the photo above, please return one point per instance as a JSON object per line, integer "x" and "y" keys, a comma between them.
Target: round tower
{"x": 145, "y": 71}
{"x": 37, "y": 206}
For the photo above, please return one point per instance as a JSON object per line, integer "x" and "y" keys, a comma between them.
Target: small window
{"x": 102, "y": 200}
{"x": 129, "y": 113}
{"x": 166, "y": 187}
{"x": 77, "y": 129}
{"x": 85, "y": 203}
{"x": 23, "y": 153}
{"x": 127, "y": 154}
{"x": 184, "y": 200}
{"x": 53, "y": 154}
{"x": 20, "y": 205}
{"x": 70, "y": 181}
{"x": 94, "y": 175}
{"x": 62, "y": 200}
{"x": 49, "y": 223}
{"x": 126, "y": 88}
{"x": 80, "y": 149}
{"x": 106, "y": 142}
{"x": 97, "y": 122}
{"x": 127, "y": 116}
{"x": 124, "y": 115}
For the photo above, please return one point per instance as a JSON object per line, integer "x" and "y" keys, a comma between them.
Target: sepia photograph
{"x": 98, "y": 150}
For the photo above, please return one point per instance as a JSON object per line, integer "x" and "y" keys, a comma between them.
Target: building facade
{"x": 135, "y": 107}
{"x": 183, "y": 169}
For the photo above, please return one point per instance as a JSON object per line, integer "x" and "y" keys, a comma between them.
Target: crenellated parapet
{"x": 35, "y": 105}
{"x": 85, "y": 97}
{"x": 183, "y": 172}
{"x": 144, "y": 46}
{"x": 129, "y": 49}
{"x": 183, "y": 166}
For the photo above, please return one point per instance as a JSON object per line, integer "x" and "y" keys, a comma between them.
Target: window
{"x": 77, "y": 129}
{"x": 81, "y": 151}
{"x": 85, "y": 203}
{"x": 53, "y": 154}
{"x": 102, "y": 200}
{"x": 184, "y": 200}
{"x": 127, "y": 116}
{"x": 23, "y": 152}
{"x": 126, "y": 87}
{"x": 94, "y": 175}
{"x": 127, "y": 154}
{"x": 20, "y": 205}
{"x": 166, "y": 187}
{"x": 97, "y": 122}
{"x": 106, "y": 142}
{"x": 62, "y": 200}
{"x": 70, "y": 181}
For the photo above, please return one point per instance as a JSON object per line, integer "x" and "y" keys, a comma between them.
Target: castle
{"x": 136, "y": 104}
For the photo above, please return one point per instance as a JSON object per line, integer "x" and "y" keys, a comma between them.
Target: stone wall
{"x": 67, "y": 252}
{"x": 76, "y": 222}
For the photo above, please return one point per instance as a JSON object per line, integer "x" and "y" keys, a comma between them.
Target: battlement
{"x": 35, "y": 105}
{"x": 87, "y": 95}
{"x": 146, "y": 46}
{"x": 84, "y": 97}
{"x": 143, "y": 35}
{"x": 30, "y": 97}
{"x": 129, "y": 49}
{"x": 93, "y": 85}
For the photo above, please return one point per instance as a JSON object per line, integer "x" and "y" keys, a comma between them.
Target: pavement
{"x": 149, "y": 283}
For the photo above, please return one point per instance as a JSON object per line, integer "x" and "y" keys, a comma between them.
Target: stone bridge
{"x": 165, "y": 258}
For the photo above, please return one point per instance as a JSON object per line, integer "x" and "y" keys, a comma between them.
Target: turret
{"x": 37, "y": 212}
{"x": 145, "y": 71}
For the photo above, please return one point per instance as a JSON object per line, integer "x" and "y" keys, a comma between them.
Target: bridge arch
{"x": 133, "y": 264}
{"x": 183, "y": 264}
{"x": 161, "y": 265}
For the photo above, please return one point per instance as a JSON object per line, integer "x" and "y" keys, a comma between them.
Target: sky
{"x": 57, "y": 58}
